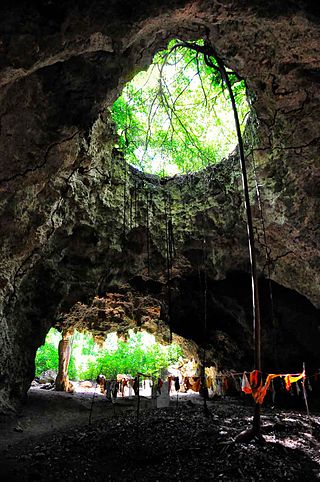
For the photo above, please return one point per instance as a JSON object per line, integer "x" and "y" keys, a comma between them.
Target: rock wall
{"x": 76, "y": 220}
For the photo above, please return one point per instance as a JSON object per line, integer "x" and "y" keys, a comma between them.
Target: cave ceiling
{"x": 77, "y": 222}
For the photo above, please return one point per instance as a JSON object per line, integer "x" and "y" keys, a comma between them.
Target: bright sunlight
{"x": 177, "y": 117}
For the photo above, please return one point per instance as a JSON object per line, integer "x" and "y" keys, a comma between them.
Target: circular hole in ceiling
{"x": 177, "y": 117}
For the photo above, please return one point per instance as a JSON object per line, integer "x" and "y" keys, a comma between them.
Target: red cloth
{"x": 254, "y": 378}
{"x": 259, "y": 391}
{"x": 245, "y": 385}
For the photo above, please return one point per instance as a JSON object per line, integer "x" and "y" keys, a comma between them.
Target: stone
{"x": 68, "y": 237}
{"x": 86, "y": 384}
{"x": 163, "y": 399}
{"x": 48, "y": 376}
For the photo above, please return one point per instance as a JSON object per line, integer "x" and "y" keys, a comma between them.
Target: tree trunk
{"x": 62, "y": 380}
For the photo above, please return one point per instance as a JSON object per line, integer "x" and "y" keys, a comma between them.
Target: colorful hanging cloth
{"x": 288, "y": 379}
{"x": 258, "y": 390}
{"x": 245, "y": 385}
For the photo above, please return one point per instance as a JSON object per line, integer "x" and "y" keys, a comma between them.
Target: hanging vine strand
{"x": 176, "y": 118}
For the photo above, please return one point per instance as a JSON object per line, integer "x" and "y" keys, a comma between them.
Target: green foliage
{"x": 176, "y": 116}
{"x": 132, "y": 356}
{"x": 47, "y": 355}
{"x": 46, "y": 359}
{"x": 139, "y": 354}
{"x": 72, "y": 369}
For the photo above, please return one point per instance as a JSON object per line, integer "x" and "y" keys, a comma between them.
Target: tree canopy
{"x": 140, "y": 353}
{"x": 176, "y": 117}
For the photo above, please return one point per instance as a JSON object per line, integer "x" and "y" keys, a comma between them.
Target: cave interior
{"x": 81, "y": 228}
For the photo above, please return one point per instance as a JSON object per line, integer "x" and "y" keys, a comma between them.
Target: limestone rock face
{"x": 78, "y": 223}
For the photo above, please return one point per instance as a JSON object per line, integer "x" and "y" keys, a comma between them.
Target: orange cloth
{"x": 192, "y": 383}
{"x": 259, "y": 391}
{"x": 209, "y": 382}
{"x": 292, "y": 378}
{"x": 254, "y": 377}
{"x": 195, "y": 383}
{"x": 245, "y": 385}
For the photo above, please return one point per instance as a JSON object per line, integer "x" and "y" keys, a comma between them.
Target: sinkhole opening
{"x": 177, "y": 117}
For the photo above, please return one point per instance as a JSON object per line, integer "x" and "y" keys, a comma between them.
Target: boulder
{"x": 48, "y": 376}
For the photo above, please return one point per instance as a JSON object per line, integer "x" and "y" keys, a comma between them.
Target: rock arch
{"x": 66, "y": 231}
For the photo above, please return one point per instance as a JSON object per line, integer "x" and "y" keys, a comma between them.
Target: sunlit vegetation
{"x": 176, "y": 117}
{"x": 47, "y": 355}
{"x": 140, "y": 353}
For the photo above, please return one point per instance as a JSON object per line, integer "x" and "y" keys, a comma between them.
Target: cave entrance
{"x": 176, "y": 117}
{"x": 118, "y": 364}
{"x": 119, "y": 353}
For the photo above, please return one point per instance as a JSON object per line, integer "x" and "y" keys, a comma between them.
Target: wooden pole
{"x": 251, "y": 241}
{"x": 138, "y": 406}
{"x": 304, "y": 391}
{"x": 208, "y": 51}
{"x": 92, "y": 401}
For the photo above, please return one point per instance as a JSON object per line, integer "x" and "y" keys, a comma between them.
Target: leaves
{"x": 135, "y": 356}
{"x": 47, "y": 355}
{"x": 176, "y": 116}
{"x": 138, "y": 354}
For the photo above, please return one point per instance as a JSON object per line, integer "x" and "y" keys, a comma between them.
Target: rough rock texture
{"x": 75, "y": 220}
{"x": 121, "y": 311}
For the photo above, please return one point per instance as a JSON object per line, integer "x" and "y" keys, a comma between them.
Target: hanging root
{"x": 254, "y": 433}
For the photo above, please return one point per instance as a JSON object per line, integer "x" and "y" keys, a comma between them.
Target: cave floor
{"x": 52, "y": 440}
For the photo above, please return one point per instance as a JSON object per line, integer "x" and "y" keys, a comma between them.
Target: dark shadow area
{"x": 177, "y": 443}
{"x": 290, "y": 323}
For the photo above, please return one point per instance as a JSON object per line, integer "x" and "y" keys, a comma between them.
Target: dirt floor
{"x": 52, "y": 439}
